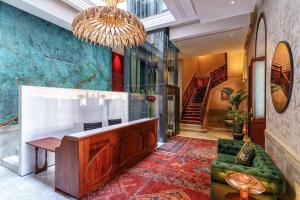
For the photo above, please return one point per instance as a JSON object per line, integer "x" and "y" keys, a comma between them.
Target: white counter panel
{"x": 55, "y": 112}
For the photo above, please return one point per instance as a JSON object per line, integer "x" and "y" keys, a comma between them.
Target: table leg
{"x": 44, "y": 168}
{"x": 243, "y": 195}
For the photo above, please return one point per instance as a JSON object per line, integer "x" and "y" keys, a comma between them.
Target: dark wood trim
{"x": 175, "y": 90}
{"x": 84, "y": 163}
{"x": 9, "y": 121}
{"x": 250, "y": 95}
{"x": 262, "y": 18}
{"x": 257, "y": 125}
{"x": 261, "y": 58}
{"x": 205, "y": 100}
{"x": 291, "y": 76}
{"x": 188, "y": 92}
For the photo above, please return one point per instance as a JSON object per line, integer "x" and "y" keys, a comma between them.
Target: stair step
{"x": 193, "y": 107}
{"x": 11, "y": 162}
{"x": 190, "y": 121}
{"x": 191, "y": 118}
{"x": 183, "y": 125}
{"x": 196, "y": 114}
{"x": 194, "y": 130}
{"x": 194, "y": 104}
{"x": 192, "y": 110}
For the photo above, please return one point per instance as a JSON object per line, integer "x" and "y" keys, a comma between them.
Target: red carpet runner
{"x": 179, "y": 170}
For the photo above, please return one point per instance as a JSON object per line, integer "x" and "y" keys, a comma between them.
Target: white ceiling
{"x": 197, "y": 27}
{"x": 219, "y": 25}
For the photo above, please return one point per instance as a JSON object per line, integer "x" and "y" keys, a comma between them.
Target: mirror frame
{"x": 292, "y": 75}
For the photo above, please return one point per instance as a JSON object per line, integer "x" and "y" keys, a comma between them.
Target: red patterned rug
{"x": 179, "y": 170}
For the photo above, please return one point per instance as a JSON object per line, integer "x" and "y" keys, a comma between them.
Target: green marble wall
{"x": 36, "y": 52}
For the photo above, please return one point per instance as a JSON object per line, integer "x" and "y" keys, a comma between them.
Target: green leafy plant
{"x": 240, "y": 118}
{"x": 237, "y": 98}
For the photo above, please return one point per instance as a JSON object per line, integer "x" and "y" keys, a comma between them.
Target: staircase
{"x": 192, "y": 113}
{"x": 195, "y": 97}
{"x": 192, "y": 128}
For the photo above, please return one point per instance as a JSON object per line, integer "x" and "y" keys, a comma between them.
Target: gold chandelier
{"x": 109, "y": 26}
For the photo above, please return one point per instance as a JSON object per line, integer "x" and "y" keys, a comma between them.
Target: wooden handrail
{"x": 205, "y": 100}
{"x": 219, "y": 76}
{"x": 188, "y": 92}
{"x": 15, "y": 118}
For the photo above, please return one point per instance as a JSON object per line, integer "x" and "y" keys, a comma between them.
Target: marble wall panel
{"x": 36, "y": 52}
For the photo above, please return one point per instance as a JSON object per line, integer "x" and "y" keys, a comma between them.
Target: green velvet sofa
{"x": 262, "y": 166}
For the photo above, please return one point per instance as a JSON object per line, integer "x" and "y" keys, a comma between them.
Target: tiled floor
{"x": 31, "y": 187}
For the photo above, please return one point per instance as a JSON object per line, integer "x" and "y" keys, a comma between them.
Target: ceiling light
{"x": 109, "y": 26}
{"x": 232, "y": 2}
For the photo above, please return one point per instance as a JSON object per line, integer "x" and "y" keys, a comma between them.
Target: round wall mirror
{"x": 282, "y": 76}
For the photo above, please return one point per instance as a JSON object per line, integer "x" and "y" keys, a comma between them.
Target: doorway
{"x": 257, "y": 86}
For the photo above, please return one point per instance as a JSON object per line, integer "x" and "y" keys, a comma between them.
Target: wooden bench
{"x": 48, "y": 144}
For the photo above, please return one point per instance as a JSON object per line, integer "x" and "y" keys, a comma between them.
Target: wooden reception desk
{"x": 86, "y": 160}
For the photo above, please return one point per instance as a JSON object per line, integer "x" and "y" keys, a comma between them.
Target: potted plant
{"x": 236, "y": 99}
{"x": 150, "y": 100}
{"x": 240, "y": 118}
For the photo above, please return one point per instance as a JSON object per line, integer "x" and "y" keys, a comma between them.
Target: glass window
{"x": 146, "y": 8}
{"x": 259, "y": 89}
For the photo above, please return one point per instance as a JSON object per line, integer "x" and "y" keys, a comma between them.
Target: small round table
{"x": 245, "y": 183}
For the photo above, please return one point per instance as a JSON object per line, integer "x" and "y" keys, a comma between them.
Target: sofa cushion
{"x": 231, "y": 147}
{"x": 246, "y": 154}
{"x": 226, "y": 158}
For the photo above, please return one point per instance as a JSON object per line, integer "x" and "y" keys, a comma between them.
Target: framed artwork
{"x": 224, "y": 96}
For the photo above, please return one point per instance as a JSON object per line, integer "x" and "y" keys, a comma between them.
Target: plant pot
{"x": 237, "y": 128}
{"x": 238, "y": 136}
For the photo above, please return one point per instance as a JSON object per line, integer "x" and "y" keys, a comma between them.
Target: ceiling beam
{"x": 198, "y": 29}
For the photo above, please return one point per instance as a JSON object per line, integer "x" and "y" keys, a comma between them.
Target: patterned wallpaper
{"x": 283, "y": 130}
{"x": 36, "y": 52}
{"x": 283, "y": 19}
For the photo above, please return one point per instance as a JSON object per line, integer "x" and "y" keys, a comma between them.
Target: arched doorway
{"x": 257, "y": 85}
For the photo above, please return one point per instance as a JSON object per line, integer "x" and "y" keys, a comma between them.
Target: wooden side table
{"x": 48, "y": 144}
{"x": 245, "y": 183}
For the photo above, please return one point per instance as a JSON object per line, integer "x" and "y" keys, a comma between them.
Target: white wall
{"x": 55, "y": 112}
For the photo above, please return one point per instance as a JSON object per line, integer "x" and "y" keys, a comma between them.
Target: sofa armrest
{"x": 273, "y": 182}
{"x": 231, "y": 147}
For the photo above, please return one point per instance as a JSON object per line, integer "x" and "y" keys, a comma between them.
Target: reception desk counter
{"x": 86, "y": 160}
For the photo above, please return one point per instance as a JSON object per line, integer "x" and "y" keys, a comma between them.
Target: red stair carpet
{"x": 179, "y": 170}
